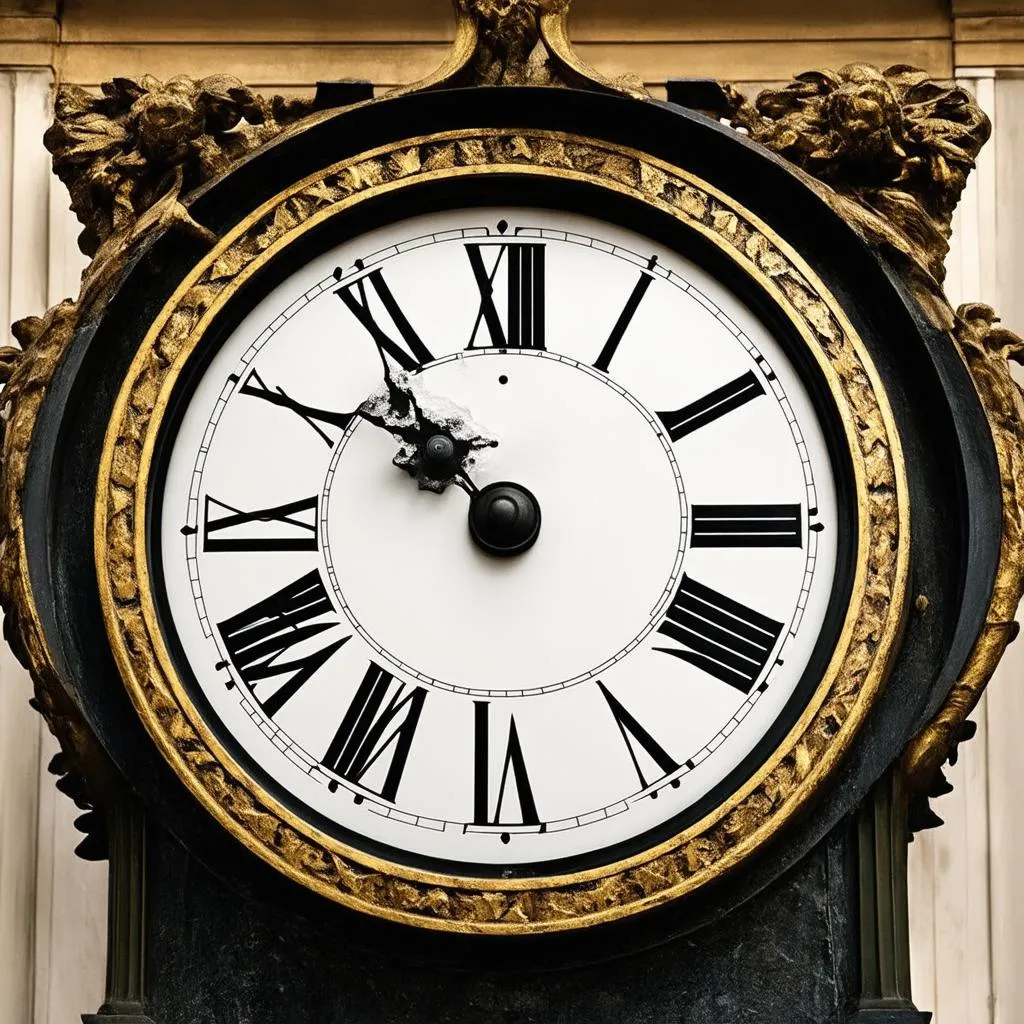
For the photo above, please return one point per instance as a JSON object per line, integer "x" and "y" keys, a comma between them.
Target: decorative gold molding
{"x": 25, "y": 374}
{"x": 713, "y": 846}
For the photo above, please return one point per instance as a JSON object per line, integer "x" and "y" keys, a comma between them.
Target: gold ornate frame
{"x": 790, "y": 777}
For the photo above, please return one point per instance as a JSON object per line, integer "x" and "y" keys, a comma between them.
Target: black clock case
{"x": 780, "y": 940}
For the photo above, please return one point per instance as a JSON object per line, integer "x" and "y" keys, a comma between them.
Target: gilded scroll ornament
{"x": 988, "y": 351}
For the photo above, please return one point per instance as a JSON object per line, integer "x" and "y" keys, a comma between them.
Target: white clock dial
{"x": 406, "y": 689}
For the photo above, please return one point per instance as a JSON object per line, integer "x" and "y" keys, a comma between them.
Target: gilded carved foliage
{"x": 894, "y": 147}
{"x": 508, "y": 34}
{"x": 128, "y": 155}
{"x": 707, "y": 851}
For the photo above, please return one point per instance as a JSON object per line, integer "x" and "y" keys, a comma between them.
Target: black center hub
{"x": 438, "y": 457}
{"x": 504, "y": 518}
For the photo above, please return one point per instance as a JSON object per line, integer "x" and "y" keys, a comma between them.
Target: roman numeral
{"x": 524, "y": 276}
{"x": 379, "y": 724}
{"x": 721, "y": 636}
{"x": 227, "y": 528}
{"x": 746, "y": 526}
{"x": 720, "y": 401}
{"x": 638, "y": 739}
{"x": 513, "y": 770}
{"x": 259, "y": 636}
{"x": 635, "y": 296}
{"x": 409, "y": 352}
{"x": 255, "y": 387}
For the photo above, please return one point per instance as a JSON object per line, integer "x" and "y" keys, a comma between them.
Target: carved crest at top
{"x": 518, "y": 42}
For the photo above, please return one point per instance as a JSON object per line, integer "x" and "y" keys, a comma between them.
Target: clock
{"x": 396, "y": 662}
{"x": 502, "y": 530}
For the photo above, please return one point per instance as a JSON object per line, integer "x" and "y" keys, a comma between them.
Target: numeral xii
{"x": 523, "y": 266}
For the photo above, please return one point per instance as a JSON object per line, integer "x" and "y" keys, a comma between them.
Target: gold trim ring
{"x": 763, "y": 804}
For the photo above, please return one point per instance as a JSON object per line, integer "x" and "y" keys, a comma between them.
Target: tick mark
{"x": 505, "y": 837}
{"x": 359, "y": 264}
{"x": 187, "y": 531}
{"x": 332, "y": 786}
{"x": 357, "y": 799}
{"x": 502, "y": 226}
{"x": 503, "y": 379}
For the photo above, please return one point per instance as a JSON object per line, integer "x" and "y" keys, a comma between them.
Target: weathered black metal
{"x": 780, "y": 940}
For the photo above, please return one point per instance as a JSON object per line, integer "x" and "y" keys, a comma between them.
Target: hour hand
{"x": 438, "y": 439}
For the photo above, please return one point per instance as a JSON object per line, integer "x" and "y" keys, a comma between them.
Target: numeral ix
{"x": 288, "y": 527}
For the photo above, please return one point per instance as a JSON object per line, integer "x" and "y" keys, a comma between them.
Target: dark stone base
{"x": 116, "y": 1018}
{"x": 784, "y": 957}
{"x": 904, "y": 1016}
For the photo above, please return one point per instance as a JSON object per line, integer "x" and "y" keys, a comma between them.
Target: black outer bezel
{"x": 950, "y": 462}
{"x": 579, "y": 197}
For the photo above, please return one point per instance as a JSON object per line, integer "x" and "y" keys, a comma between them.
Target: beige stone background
{"x": 967, "y": 893}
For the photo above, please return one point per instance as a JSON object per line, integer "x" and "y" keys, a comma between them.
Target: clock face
{"x": 396, "y": 684}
